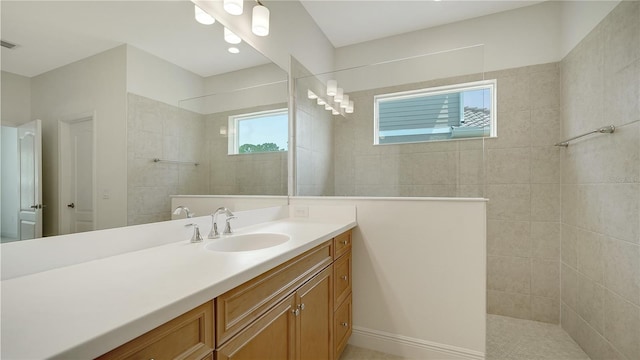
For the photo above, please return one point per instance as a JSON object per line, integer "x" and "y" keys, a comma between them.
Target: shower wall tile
{"x": 509, "y": 274}
{"x": 545, "y": 278}
{"x": 545, "y": 165}
{"x": 509, "y": 202}
{"x": 509, "y": 166}
{"x": 509, "y": 304}
{"x": 600, "y": 85}
{"x": 545, "y": 202}
{"x": 545, "y": 240}
{"x": 546, "y": 126}
{"x": 545, "y": 309}
{"x": 509, "y": 238}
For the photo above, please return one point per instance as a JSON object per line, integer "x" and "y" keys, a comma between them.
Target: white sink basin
{"x": 247, "y": 242}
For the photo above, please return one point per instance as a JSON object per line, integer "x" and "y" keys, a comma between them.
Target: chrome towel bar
{"x": 603, "y": 130}
{"x": 176, "y": 162}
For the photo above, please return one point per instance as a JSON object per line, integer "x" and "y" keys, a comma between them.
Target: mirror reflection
{"x": 113, "y": 89}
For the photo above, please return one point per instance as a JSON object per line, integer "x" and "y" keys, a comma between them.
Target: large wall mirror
{"x": 130, "y": 96}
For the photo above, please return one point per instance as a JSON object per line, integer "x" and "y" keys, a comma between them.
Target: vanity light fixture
{"x": 233, "y": 7}
{"x": 202, "y": 17}
{"x": 328, "y": 107}
{"x": 321, "y": 101}
{"x": 260, "y": 20}
{"x": 230, "y": 37}
{"x": 335, "y": 112}
{"x": 349, "y": 109}
{"x": 339, "y": 94}
{"x": 332, "y": 87}
{"x": 311, "y": 95}
{"x": 234, "y": 50}
{"x": 345, "y": 101}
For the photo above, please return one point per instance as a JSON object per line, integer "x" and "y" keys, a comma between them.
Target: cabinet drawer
{"x": 240, "y": 306}
{"x": 271, "y": 337}
{"x": 342, "y": 244}
{"x": 189, "y": 336}
{"x": 342, "y": 278}
{"x": 342, "y": 326}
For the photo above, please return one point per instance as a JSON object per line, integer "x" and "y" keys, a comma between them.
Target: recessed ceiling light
{"x": 231, "y": 37}
{"x": 234, "y": 50}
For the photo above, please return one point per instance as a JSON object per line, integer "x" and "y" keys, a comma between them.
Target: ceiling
{"x": 50, "y": 34}
{"x": 355, "y": 21}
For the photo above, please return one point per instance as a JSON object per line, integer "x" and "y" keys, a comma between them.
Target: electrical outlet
{"x": 301, "y": 211}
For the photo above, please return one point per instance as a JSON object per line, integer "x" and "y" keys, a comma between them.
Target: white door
{"x": 30, "y": 169}
{"x": 77, "y": 179}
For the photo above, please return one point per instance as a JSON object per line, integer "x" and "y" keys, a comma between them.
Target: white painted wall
{"x": 292, "y": 32}
{"x": 10, "y": 183}
{"x": 93, "y": 85}
{"x": 16, "y": 99}
{"x": 158, "y": 79}
{"x": 419, "y": 275}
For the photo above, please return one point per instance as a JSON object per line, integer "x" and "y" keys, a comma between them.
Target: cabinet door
{"x": 315, "y": 302}
{"x": 271, "y": 337}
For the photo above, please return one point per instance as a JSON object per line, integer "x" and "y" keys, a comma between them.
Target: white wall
{"x": 16, "y": 99}
{"x": 292, "y": 32}
{"x": 10, "y": 184}
{"x": 93, "y": 85}
{"x": 419, "y": 275}
{"x": 158, "y": 79}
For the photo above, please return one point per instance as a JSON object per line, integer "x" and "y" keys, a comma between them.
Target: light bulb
{"x": 260, "y": 20}
{"x": 233, "y": 7}
{"x": 230, "y": 37}
{"x": 345, "y": 101}
{"x": 234, "y": 50}
{"x": 202, "y": 17}
{"x": 332, "y": 87}
{"x": 349, "y": 109}
{"x": 339, "y": 94}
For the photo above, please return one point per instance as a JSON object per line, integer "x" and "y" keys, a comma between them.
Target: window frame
{"x": 491, "y": 84}
{"x": 233, "y": 124}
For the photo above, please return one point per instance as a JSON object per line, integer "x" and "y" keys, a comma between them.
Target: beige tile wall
{"x": 159, "y": 130}
{"x": 519, "y": 171}
{"x": 600, "y": 81}
{"x": 243, "y": 174}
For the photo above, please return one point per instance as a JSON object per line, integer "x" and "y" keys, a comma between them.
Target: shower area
{"x": 563, "y": 222}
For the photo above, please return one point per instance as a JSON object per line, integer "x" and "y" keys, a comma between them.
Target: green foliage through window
{"x": 251, "y": 148}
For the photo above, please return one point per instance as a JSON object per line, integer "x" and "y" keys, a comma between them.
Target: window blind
{"x": 423, "y": 112}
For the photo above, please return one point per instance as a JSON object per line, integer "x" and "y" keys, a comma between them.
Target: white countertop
{"x": 84, "y": 310}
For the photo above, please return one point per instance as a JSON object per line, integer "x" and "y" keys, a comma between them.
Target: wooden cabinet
{"x": 300, "y": 310}
{"x": 189, "y": 336}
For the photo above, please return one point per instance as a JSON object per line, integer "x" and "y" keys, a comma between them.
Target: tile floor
{"x": 507, "y": 339}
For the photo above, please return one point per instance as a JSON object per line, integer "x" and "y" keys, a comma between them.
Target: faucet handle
{"x": 227, "y": 228}
{"x": 196, "y": 238}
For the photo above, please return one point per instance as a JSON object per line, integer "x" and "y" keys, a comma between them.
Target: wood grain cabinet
{"x": 300, "y": 310}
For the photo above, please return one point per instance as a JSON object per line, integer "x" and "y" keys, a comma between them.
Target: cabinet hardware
{"x": 344, "y": 242}
{"x": 295, "y": 312}
{"x": 344, "y": 277}
{"x": 301, "y": 306}
{"x": 344, "y": 324}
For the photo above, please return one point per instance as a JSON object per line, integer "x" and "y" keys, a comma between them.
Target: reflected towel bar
{"x": 176, "y": 162}
{"x": 603, "y": 130}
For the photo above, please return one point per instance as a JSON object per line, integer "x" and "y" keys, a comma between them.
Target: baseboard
{"x": 409, "y": 347}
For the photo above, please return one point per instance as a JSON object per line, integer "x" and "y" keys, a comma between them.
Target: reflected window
{"x": 259, "y": 132}
{"x": 442, "y": 113}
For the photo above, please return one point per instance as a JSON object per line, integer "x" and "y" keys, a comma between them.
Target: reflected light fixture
{"x": 260, "y": 20}
{"x": 233, "y": 7}
{"x": 335, "y": 112}
{"x": 339, "y": 94}
{"x": 321, "y": 101}
{"x": 230, "y": 37}
{"x": 332, "y": 87}
{"x": 234, "y": 50}
{"x": 202, "y": 17}
{"x": 349, "y": 109}
{"x": 311, "y": 95}
{"x": 328, "y": 107}
{"x": 345, "y": 101}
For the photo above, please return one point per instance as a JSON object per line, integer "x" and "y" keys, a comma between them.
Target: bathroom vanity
{"x": 300, "y": 309}
{"x": 191, "y": 301}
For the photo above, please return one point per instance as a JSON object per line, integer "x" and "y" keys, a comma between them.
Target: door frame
{"x": 64, "y": 128}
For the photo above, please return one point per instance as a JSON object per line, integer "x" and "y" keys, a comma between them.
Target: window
{"x": 259, "y": 132}
{"x": 442, "y": 113}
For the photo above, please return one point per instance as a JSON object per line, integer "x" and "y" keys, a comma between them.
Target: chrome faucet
{"x": 213, "y": 234}
{"x": 196, "y": 238}
{"x": 179, "y": 209}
